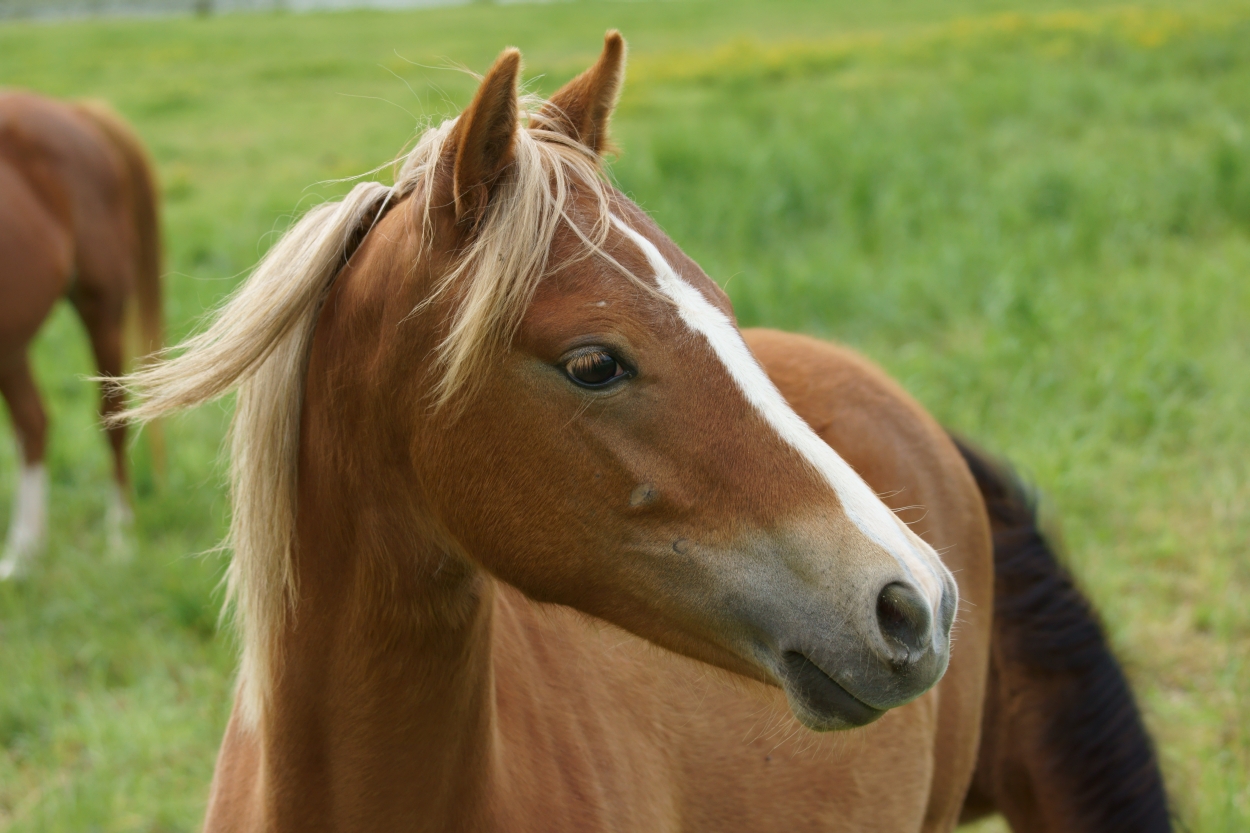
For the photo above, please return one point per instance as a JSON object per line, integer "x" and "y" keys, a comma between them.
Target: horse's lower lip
{"x": 823, "y": 696}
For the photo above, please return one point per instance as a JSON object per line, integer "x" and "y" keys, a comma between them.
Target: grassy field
{"x": 1037, "y": 218}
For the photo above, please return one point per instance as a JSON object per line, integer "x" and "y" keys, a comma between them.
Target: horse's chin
{"x": 820, "y": 703}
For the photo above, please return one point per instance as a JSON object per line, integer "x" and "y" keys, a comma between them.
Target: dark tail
{"x": 145, "y": 209}
{"x": 1063, "y": 745}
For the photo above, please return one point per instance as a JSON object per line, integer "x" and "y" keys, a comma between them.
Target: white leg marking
{"x": 117, "y": 519}
{"x": 28, "y": 521}
{"x": 859, "y": 502}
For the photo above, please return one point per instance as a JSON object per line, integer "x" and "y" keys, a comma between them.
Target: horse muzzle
{"x": 851, "y": 675}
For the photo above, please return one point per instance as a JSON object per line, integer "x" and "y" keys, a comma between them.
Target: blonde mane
{"x": 258, "y": 343}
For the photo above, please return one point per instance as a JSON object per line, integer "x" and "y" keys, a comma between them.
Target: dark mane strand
{"x": 1094, "y": 749}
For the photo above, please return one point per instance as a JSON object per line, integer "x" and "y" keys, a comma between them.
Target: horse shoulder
{"x": 911, "y": 462}
{"x": 586, "y": 706}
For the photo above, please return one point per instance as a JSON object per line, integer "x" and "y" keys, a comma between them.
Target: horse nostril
{"x": 904, "y": 620}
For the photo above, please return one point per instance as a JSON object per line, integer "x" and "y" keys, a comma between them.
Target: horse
{"x": 529, "y": 536}
{"x": 78, "y": 220}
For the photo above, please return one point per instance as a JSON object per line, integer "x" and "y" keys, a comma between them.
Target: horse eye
{"x": 595, "y": 369}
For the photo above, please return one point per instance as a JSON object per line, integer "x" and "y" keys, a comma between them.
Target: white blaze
{"x": 860, "y": 503}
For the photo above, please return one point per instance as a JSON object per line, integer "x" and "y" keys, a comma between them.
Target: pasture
{"x": 1036, "y": 218}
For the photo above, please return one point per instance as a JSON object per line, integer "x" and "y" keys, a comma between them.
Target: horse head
{"x": 604, "y": 439}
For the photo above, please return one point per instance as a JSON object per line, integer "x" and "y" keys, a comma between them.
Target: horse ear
{"x": 581, "y": 108}
{"x": 485, "y": 135}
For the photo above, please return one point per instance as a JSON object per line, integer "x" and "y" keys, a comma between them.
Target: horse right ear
{"x": 484, "y": 137}
{"x": 581, "y": 108}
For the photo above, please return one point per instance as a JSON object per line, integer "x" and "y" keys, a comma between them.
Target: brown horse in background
{"x": 78, "y": 219}
{"x": 528, "y": 536}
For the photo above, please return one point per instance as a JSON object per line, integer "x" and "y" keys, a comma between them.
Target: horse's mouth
{"x": 818, "y": 701}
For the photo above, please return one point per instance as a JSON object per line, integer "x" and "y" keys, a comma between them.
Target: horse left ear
{"x": 582, "y": 107}
{"x": 484, "y": 137}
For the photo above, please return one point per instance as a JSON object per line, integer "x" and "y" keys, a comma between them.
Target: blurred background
{"x": 1035, "y": 215}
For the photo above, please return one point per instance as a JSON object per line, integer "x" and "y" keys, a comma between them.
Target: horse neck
{"x": 383, "y": 693}
{"x": 383, "y": 710}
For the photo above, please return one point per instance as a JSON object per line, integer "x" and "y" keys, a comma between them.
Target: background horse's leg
{"x": 118, "y": 271}
{"x": 28, "y": 522}
{"x": 102, "y": 314}
{"x": 36, "y": 261}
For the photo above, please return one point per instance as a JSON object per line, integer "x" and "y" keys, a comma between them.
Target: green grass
{"x": 1038, "y": 220}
